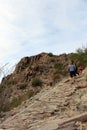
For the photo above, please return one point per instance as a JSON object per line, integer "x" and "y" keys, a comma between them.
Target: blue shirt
{"x": 71, "y": 68}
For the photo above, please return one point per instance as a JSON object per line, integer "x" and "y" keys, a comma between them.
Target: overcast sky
{"x": 29, "y": 27}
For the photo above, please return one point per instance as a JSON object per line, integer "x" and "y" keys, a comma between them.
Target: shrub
{"x": 30, "y": 93}
{"x": 36, "y": 82}
{"x": 11, "y": 82}
{"x": 50, "y": 54}
{"x": 15, "y": 102}
{"x": 58, "y": 67}
{"x": 8, "y": 106}
{"x": 79, "y": 51}
{"x": 22, "y": 86}
{"x": 82, "y": 50}
{"x": 80, "y": 58}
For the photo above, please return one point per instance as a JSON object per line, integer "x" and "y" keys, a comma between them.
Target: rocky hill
{"x": 59, "y": 107}
{"x": 30, "y": 76}
{"x": 56, "y": 103}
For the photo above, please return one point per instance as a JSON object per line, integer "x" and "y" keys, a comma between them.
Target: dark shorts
{"x": 72, "y": 73}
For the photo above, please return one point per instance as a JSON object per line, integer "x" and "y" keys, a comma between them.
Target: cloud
{"x": 28, "y": 27}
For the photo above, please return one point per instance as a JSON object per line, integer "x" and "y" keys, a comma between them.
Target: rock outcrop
{"x": 47, "y": 67}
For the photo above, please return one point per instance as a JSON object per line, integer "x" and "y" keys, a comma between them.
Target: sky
{"x": 29, "y": 27}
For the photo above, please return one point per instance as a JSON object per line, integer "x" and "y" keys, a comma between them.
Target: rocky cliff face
{"x": 17, "y": 86}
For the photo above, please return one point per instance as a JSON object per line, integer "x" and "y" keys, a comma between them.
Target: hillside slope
{"x": 30, "y": 76}
{"x": 51, "y": 106}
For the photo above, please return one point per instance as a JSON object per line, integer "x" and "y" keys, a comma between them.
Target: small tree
{"x": 80, "y": 51}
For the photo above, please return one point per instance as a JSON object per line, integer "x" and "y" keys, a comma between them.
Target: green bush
{"x": 22, "y": 86}
{"x": 15, "y": 102}
{"x": 30, "y": 93}
{"x": 74, "y": 57}
{"x": 11, "y": 82}
{"x": 8, "y": 106}
{"x": 58, "y": 68}
{"x": 36, "y": 82}
{"x": 50, "y": 54}
{"x": 81, "y": 59}
{"x": 80, "y": 51}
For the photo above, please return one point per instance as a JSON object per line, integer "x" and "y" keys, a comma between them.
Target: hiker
{"x": 71, "y": 69}
{"x": 76, "y": 70}
{"x": 80, "y": 68}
